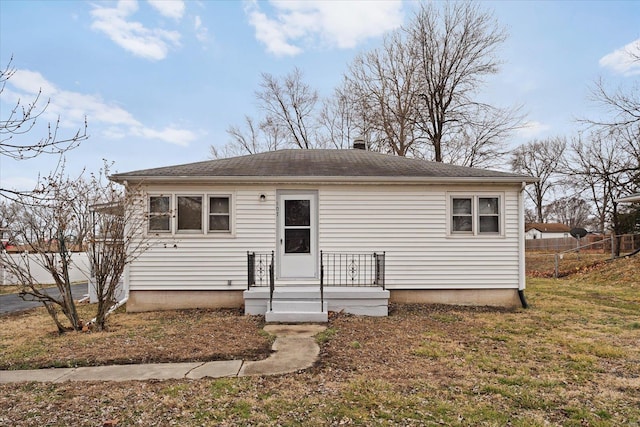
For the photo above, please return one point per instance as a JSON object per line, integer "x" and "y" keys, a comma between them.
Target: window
{"x": 462, "y": 216}
{"x": 489, "y": 217}
{"x": 189, "y": 213}
{"x": 160, "y": 213}
{"x": 475, "y": 215}
{"x": 219, "y": 213}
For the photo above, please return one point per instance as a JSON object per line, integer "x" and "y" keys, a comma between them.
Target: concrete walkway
{"x": 294, "y": 348}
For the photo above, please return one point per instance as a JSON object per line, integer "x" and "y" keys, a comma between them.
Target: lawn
{"x": 571, "y": 359}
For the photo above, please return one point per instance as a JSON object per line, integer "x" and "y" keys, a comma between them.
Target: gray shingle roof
{"x": 317, "y": 163}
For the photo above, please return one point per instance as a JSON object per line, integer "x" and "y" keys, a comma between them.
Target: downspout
{"x": 521, "y": 248}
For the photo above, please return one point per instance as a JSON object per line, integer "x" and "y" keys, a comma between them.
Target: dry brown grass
{"x": 542, "y": 264}
{"x": 572, "y": 359}
{"x": 31, "y": 341}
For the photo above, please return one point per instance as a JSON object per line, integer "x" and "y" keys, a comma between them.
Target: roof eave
{"x": 321, "y": 179}
{"x": 629, "y": 199}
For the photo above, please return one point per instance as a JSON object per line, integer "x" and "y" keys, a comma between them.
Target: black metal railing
{"x": 351, "y": 269}
{"x": 260, "y": 269}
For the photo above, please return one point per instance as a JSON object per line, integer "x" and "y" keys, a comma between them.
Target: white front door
{"x": 297, "y": 235}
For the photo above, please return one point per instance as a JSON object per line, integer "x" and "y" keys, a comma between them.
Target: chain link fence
{"x": 561, "y": 257}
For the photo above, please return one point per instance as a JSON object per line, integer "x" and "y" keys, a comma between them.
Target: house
{"x": 629, "y": 199}
{"x": 546, "y": 231}
{"x": 316, "y": 230}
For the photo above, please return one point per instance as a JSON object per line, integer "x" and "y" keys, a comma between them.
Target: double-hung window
{"x": 189, "y": 214}
{"x": 160, "y": 214}
{"x": 475, "y": 215}
{"x": 193, "y": 214}
{"x": 219, "y": 214}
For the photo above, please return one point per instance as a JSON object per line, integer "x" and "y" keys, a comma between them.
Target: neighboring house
{"x": 629, "y": 199}
{"x": 546, "y": 231}
{"x": 388, "y": 228}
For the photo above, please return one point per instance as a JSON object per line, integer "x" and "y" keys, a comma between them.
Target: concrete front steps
{"x": 297, "y": 312}
{"x": 301, "y": 304}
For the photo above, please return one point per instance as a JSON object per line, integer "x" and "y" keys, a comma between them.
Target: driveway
{"x": 12, "y": 303}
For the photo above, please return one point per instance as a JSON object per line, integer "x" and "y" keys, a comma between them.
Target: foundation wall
{"x": 175, "y": 300}
{"x": 507, "y": 298}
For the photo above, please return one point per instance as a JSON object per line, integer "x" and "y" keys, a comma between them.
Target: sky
{"x": 160, "y": 81}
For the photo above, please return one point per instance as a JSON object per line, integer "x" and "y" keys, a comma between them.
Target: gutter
{"x": 321, "y": 179}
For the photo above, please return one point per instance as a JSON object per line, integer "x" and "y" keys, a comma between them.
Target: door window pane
{"x": 219, "y": 214}
{"x": 297, "y": 213}
{"x": 297, "y": 241}
{"x": 189, "y": 213}
{"x": 159, "y": 213}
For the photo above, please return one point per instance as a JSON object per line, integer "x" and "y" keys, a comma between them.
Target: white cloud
{"x": 169, "y": 8}
{"x": 202, "y": 32}
{"x": 168, "y": 134}
{"x": 72, "y": 107}
{"x": 625, "y": 61}
{"x": 19, "y": 183}
{"x": 133, "y": 36}
{"x": 532, "y": 129}
{"x": 343, "y": 24}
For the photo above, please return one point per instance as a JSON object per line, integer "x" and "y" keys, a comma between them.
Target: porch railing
{"x": 336, "y": 269}
{"x": 352, "y": 269}
{"x": 260, "y": 269}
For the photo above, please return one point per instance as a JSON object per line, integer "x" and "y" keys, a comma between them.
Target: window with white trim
{"x": 160, "y": 214}
{"x": 190, "y": 213}
{"x": 219, "y": 214}
{"x": 475, "y": 215}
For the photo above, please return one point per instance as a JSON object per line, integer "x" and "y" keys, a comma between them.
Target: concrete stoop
{"x": 300, "y": 304}
{"x": 297, "y": 312}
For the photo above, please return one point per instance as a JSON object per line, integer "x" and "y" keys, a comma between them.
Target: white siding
{"x": 410, "y": 225}
{"x": 408, "y": 222}
{"x": 209, "y": 261}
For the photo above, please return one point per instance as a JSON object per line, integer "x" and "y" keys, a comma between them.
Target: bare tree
{"x": 22, "y": 119}
{"x": 456, "y": 43}
{"x": 542, "y": 159}
{"x": 481, "y": 141}
{"x": 290, "y": 119}
{"x": 46, "y": 227}
{"x": 572, "y": 211}
{"x": 341, "y": 120}
{"x": 115, "y": 239}
{"x": 382, "y": 84}
{"x": 68, "y": 217}
{"x": 621, "y": 105}
{"x": 253, "y": 138}
{"x": 420, "y": 88}
{"x": 290, "y": 104}
{"x": 621, "y": 111}
{"x": 605, "y": 172}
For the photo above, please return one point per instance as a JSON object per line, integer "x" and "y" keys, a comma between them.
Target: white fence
{"x": 79, "y": 269}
